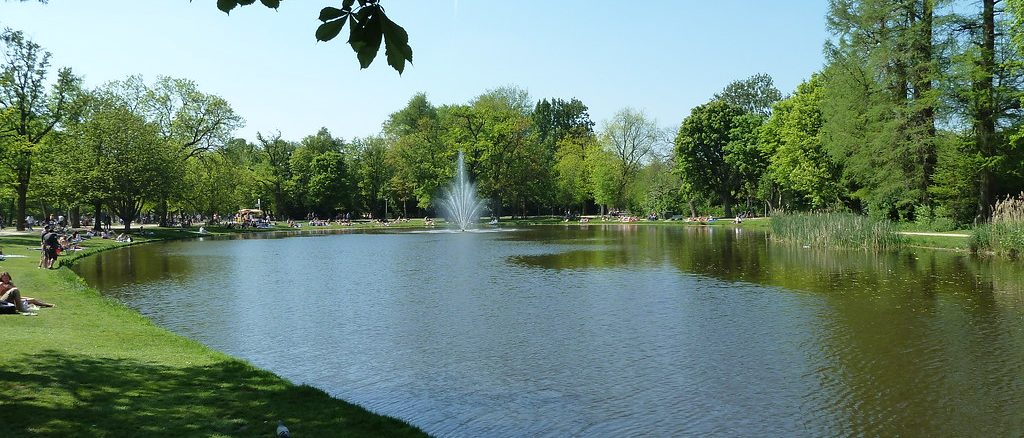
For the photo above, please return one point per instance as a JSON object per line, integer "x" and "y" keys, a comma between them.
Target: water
{"x": 459, "y": 203}
{"x": 605, "y": 330}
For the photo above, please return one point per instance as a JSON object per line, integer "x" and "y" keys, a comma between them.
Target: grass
{"x": 836, "y": 230}
{"x": 953, "y": 242}
{"x": 93, "y": 367}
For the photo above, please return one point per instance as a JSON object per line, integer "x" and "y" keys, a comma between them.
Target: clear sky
{"x": 660, "y": 56}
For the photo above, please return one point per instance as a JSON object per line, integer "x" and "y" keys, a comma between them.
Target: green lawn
{"x": 93, "y": 367}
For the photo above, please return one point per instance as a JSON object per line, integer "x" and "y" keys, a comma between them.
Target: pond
{"x": 617, "y": 330}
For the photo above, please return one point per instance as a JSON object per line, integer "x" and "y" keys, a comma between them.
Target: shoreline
{"x": 76, "y": 366}
{"x": 93, "y": 366}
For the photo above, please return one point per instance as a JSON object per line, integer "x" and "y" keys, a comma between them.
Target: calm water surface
{"x": 605, "y": 330}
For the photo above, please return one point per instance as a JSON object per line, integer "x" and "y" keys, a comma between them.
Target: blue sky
{"x": 660, "y": 56}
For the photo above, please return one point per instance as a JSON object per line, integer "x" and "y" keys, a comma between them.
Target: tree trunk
{"x": 75, "y": 216}
{"x": 22, "y": 199}
{"x": 97, "y": 221}
{"x": 985, "y": 120}
{"x": 162, "y": 210}
{"x": 924, "y": 72}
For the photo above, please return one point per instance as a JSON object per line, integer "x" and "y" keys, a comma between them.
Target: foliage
{"x": 799, "y": 166}
{"x": 705, "y": 145}
{"x": 218, "y": 185}
{"x": 880, "y": 105}
{"x": 367, "y": 23}
{"x": 754, "y": 95}
{"x": 631, "y": 138}
{"x": 837, "y": 230}
{"x": 328, "y": 182}
{"x": 573, "y": 170}
{"x": 28, "y": 113}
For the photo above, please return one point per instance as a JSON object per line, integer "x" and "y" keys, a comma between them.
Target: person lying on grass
{"x": 9, "y": 293}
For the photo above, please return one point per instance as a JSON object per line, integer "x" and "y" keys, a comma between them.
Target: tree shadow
{"x": 56, "y": 394}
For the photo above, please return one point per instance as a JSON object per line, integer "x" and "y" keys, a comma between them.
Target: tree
{"x": 328, "y": 182}
{"x": 605, "y": 177}
{"x": 880, "y": 102}
{"x": 558, "y": 119}
{"x": 192, "y": 121}
{"x": 417, "y": 152}
{"x": 754, "y": 95}
{"x": 986, "y": 81}
{"x": 272, "y": 170}
{"x": 657, "y": 188}
{"x": 216, "y": 184}
{"x": 28, "y": 113}
{"x": 799, "y": 165}
{"x": 368, "y": 26}
{"x": 631, "y": 138}
{"x": 301, "y": 171}
{"x": 703, "y": 145}
{"x": 573, "y": 170}
{"x": 375, "y": 174}
{"x": 115, "y": 156}
{"x": 496, "y": 133}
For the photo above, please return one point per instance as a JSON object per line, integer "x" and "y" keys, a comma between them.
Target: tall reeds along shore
{"x": 1005, "y": 234}
{"x": 835, "y": 230}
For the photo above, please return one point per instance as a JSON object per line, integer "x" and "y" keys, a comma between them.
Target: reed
{"x": 1005, "y": 234}
{"x": 835, "y": 230}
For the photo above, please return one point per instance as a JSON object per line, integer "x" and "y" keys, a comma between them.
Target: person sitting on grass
{"x": 10, "y": 293}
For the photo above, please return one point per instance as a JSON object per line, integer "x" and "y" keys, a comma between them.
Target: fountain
{"x": 458, "y": 202}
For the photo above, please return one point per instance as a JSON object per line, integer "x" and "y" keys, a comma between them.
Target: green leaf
{"x": 396, "y": 44}
{"x": 329, "y": 13}
{"x": 245, "y": 2}
{"x": 347, "y": 4}
{"x": 273, "y": 4}
{"x": 370, "y": 36}
{"x": 329, "y": 30}
{"x": 226, "y": 5}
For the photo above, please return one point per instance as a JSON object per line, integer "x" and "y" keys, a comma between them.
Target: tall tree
{"x": 631, "y": 137}
{"x": 880, "y": 104}
{"x": 704, "y": 143}
{"x": 301, "y": 169}
{"x": 192, "y": 121}
{"x": 806, "y": 177}
{"x": 418, "y": 152}
{"x": 28, "y": 112}
{"x": 375, "y": 174}
{"x": 754, "y": 95}
{"x": 273, "y": 170}
{"x": 115, "y": 156}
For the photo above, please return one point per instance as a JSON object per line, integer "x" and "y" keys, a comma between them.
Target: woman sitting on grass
{"x": 9, "y": 293}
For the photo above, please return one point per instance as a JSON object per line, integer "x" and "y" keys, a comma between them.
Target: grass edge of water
{"x": 94, "y": 366}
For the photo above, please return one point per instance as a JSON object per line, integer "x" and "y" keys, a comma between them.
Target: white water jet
{"x": 458, "y": 202}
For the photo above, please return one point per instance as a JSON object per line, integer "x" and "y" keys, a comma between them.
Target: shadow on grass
{"x": 55, "y": 394}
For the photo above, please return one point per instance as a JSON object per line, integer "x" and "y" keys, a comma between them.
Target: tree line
{"x": 915, "y": 116}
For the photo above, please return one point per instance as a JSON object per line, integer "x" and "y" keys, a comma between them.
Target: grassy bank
{"x": 835, "y": 230}
{"x": 93, "y": 367}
